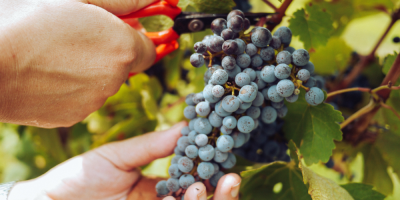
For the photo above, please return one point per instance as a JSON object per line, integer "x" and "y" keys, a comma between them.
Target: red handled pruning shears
{"x": 184, "y": 22}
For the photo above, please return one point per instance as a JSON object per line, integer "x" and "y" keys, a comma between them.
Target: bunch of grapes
{"x": 249, "y": 75}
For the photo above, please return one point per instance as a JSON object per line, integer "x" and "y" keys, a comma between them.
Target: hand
{"x": 111, "y": 172}
{"x": 61, "y": 59}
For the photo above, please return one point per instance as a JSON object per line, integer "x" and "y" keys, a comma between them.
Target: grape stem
{"x": 274, "y": 20}
{"x": 368, "y": 108}
{"x": 390, "y": 108}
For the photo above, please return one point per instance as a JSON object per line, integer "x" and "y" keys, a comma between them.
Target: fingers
{"x": 196, "y": 191}
{"x": 120, "y": 7}
{"x": 129, "y": 154}
{"x": 228, "y": 187}
{"x": 146, "y": 54}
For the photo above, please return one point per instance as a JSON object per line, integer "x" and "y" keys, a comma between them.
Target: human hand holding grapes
{"x": 111, "y": 172}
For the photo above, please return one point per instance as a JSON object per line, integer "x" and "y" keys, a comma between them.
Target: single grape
{"x": 190, "y": 112}
{"x": 201, "y": 140}
{"x": 208, "y": 94}
{"x": 215, "y": 44}
{"x": 255, "y": 85}
{"x": 189, "y": 99}
{"x": 282, "y": 71}
{"x": 234, "y": 13}
{"x": 198, "y": 97}
{"x": 251, "y": 49}
{"x": 253, "y": 112}
{"x": 261, "y": 37}
{"x": 214, "y": 119}
{"x": 183, "y": 142}
{"x": 173, "y": 184}
{"x": 282, "y": 111}
{"x": 205, "y": 170}
{"x": 230, "y": 162}
{"x": 220, "y": 111}
{"x": 206, "y": 153}
{"x": 243, "y": 60}
{"x": 251, "y": 73}
{"x": 285, "y": 88}
{"x": 175, "y": 159}
{"x": 256, "y": 61}
{"x": 300, "y": 57}
{"x": 216, "y": 167}
{"x": 290, "y": 49}
{"x": 186, "y": 180}
{"x": 303, "y": 74}
{"x": 227, "y": 34}
{"x": 284, "y": 57}
{"x": 311, "y": 82}
{"x": 239, "y": 139}
{"x": 329, "y": 164}
{"x": 236, "y": 23}
{"x": 242, "y": 46}
{"x": 230, "y": 103}
{"x": 192, "y": 136}
{"x": 185, "y": 164}
{"x": 173, "y": 171}
{"x": 292, "y": 98}
{"x": 242, "y": 79}
{"x": 284, "y": 34}
{"x": 215, "y": 178}
{"x": 218, "y": 25}
{"x": 275, "y": 42}
{"x": 161, "y": 188}
{"x": 185, "y": 130}
{"x": 230, "y": 47}
{"x": 178, "y": 152}
{"x": 265, "y": 93}
{"x": 247, "y": 93}
{"x": 315, "y": 96}
{"x": 218, "y": 91}
{"x": 273, "y": 94}
{"x": 256, "y": 123}
{"x": 271, "y": 149}
{"x": 220, "y": 156}
{"x": 245, "y": 124}
{"x": 225, "y": 130}
{"x": 240, "y": 111}
{"x": 267, "y": 53}
{"x": 228, "y": 62}
{"x": 259, "y": 100}
{"x": 246, "y": 24}
{"x": 229, "y": 122}
{"x": 277, "y": 105}
{"x": 396, "y": 39}
{"x": 197, "y": 60}
{"x": 309, "y": 66}
{"x": 219, "y": 77}
{"x": 202, "y": 125}
{"x": 203, "y": 108}
{"x": 245, "y": 105}
{"x": 200, "y": 47}
{"x": 232, "y": 73}
{"x": 260, "y": 83}
{"x": 319, "y": 82}
{"x": 191, "y": 151}
{"x": 225, "y": 143}
{"x": 268, "y": 74}
{"x": 268, "y": 114}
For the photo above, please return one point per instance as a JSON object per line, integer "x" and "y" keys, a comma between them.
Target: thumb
{"x": 120, "y": 7}
{"x": 137, "y": 151}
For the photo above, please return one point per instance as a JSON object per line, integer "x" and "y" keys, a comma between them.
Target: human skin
{"x": 111, "y": 172}
{"x": 61, "y": 59}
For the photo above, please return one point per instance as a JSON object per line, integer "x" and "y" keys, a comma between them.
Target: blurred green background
{"x": 155, "y": 100}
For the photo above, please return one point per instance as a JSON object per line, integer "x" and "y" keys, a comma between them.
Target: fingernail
{"x": 202, "y": 195}
{"x": 235, "y": 190}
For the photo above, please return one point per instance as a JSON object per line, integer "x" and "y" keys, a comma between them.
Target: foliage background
{"x": 155, "y": 100}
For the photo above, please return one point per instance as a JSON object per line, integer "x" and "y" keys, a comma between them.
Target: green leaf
{"x": 172, "y": 65}
{"x": 362, "y": 192}
{"x": 321, "y": 188}
{"x": 260, "y": 183}
{"x": 375, "y": 170}
{"x": 388, "y": 62}
{"x": 331, "y": 58}
{"x": 149, "y": 104}
{"x": 388, "y": 144}
{"x": 313, "y": 129}
{"x": 213, "y": 6}
{"x": 313, "y": 25}
{"x": 293, "y": 152}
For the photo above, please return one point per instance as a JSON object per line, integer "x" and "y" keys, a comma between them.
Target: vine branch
{"x": 276, "y": 19}
{"x": 271, "y": 5}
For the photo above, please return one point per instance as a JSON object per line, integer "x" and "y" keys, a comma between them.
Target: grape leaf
{"x": 321, "y": 188}
{"x": 362, "y": 192}
{"x": 259, "y": 183}
{"x": 388, "y": 62}
{"x": 293, "y": 152}
{"x": 375, "y": 170}
{"x": 313, "y": 27}
{"x": 213, "y": 6}
{"x": 313, "y": 128}
{"x": 388, "y": 144}
{"x": 332, "y": 57}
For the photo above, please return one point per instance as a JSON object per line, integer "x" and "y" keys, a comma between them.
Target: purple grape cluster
{"x": 248, "y": 78}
